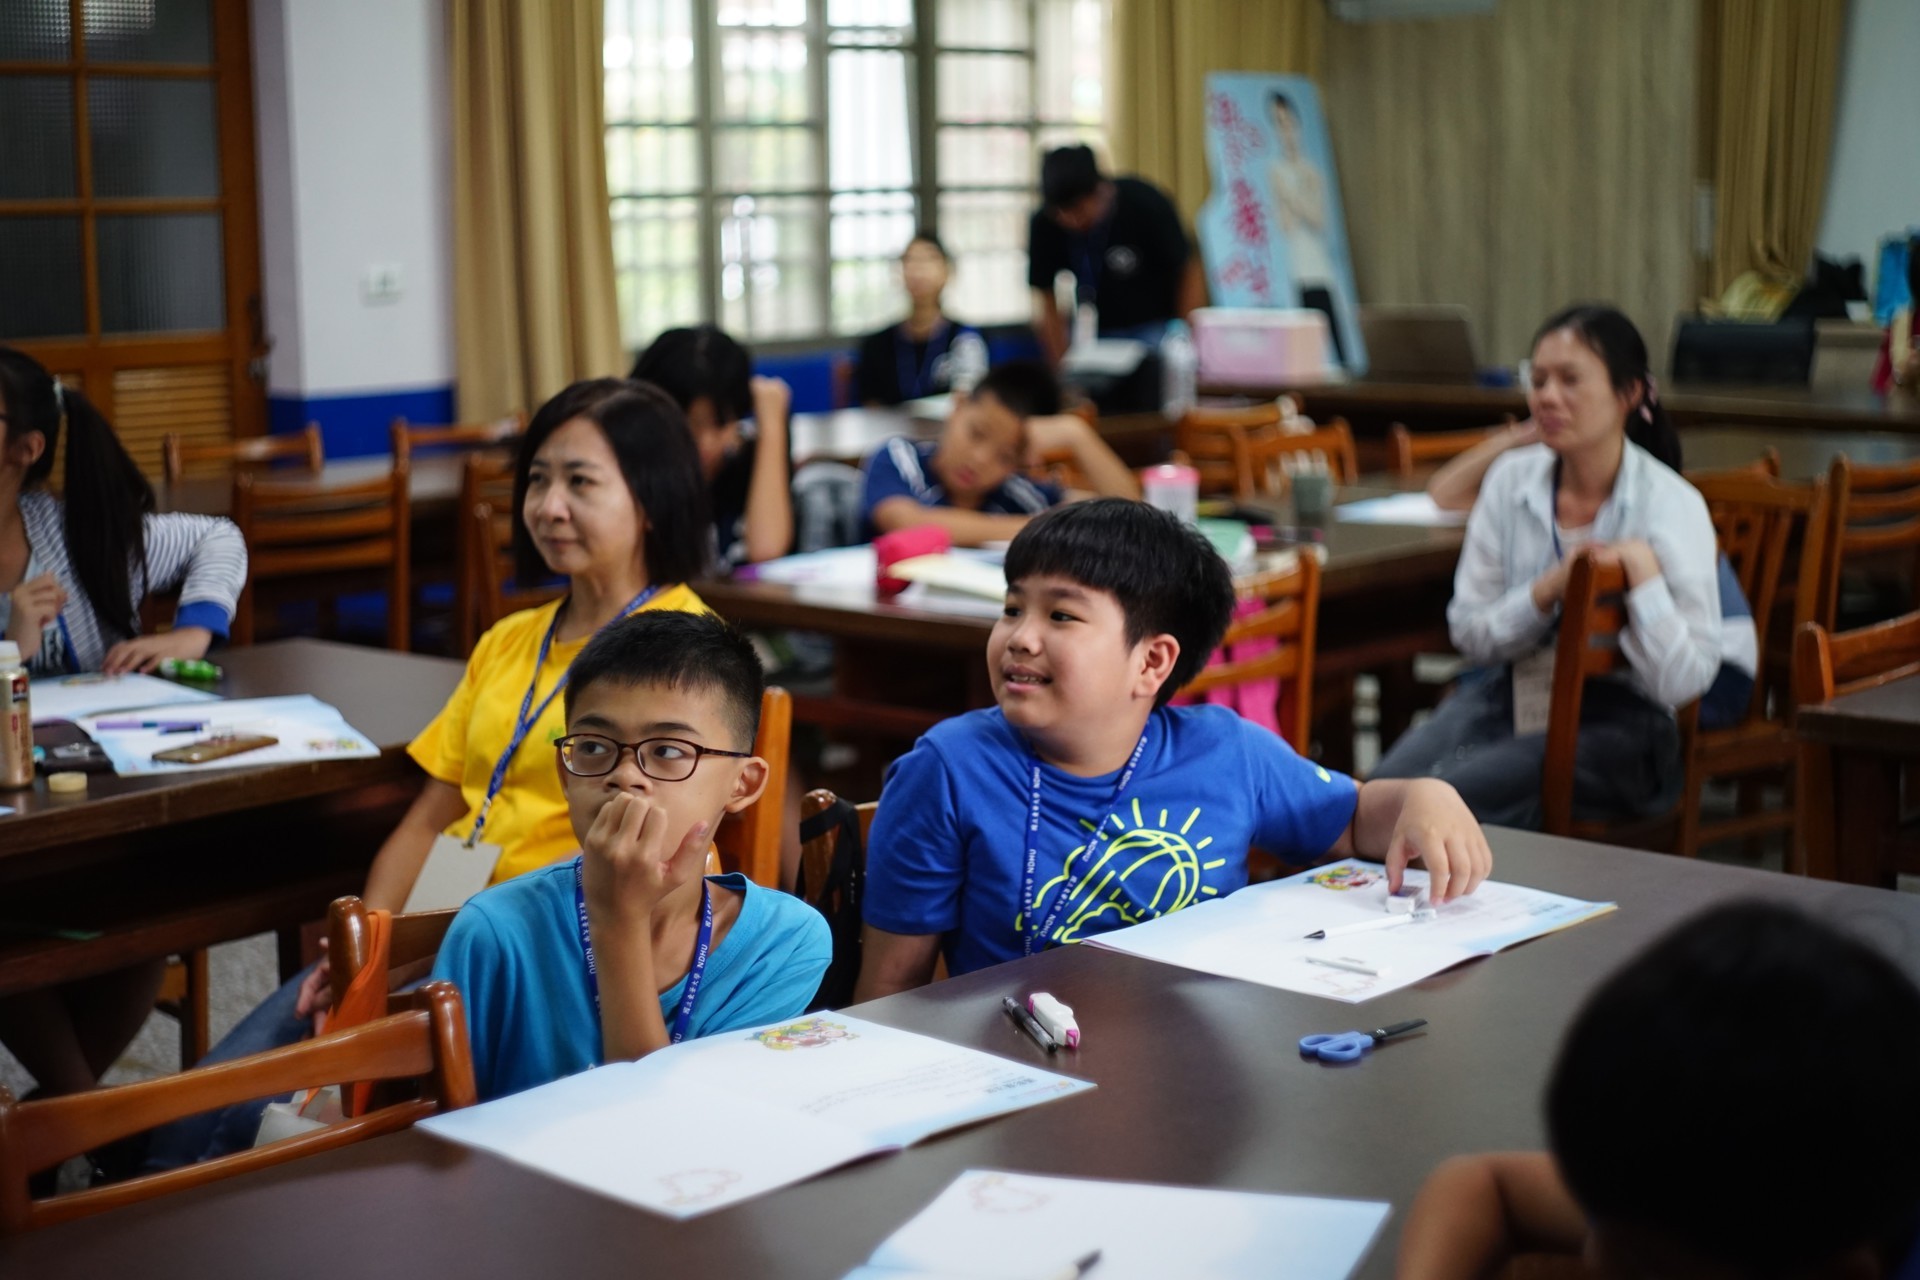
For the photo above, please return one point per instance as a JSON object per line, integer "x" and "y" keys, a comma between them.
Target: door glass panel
{"x": 35, "y": 31}
{"x": 176, "y": 31}
{"x": 154, "y": 137}
{"x": 161, "y": 273}
{"x": 42, "y": 282}
{"x": 36, "y": 137}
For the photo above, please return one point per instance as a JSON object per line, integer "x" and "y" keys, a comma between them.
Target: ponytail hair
{"x": 1606, "y": 332}
{"x": 106, "y": 497}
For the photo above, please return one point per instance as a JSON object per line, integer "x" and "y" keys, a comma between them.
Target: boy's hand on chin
{"x": 629, "y": 866}
{"x": 1436, "y": 827}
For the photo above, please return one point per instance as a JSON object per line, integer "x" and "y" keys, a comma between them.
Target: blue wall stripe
{"x": 355, "y": 426}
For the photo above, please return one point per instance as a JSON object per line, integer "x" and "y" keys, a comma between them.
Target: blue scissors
{"x": 1351, "y": 1046}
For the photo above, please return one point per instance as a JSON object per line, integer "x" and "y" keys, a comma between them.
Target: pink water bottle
{"x": 1173, "y": 488}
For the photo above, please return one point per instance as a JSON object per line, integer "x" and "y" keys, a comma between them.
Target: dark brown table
{"x": 1434, "y": 406}
{"x": 1200, "y": 1083}
{"x": 165, "y": 864}
{"x": 433, "y": 485}
{"x": 1874, "y": 738}
{"x": 1803, "y": 454}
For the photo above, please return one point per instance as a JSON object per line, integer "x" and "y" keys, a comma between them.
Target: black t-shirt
{"x": 894, "y": 368}
{"x": 1135, "y": 258}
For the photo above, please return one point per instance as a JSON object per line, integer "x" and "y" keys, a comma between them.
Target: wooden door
{"x": 129, "y": 235}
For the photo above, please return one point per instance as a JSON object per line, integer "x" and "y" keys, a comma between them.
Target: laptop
{"x": 1418, "y": 344}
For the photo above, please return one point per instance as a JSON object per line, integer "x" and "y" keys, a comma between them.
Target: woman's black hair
{"x": 107, "y": 499}
{"x": 702, "y": 361}
{"x": 923, "y": 236}
{"x": 648, "y": 434}
{"x": 1606, "y": 331}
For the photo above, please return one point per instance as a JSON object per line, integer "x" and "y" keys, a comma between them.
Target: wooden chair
{"x": 463, "y": 435}
{"x": 304, "y": 447}
{"x": 484, "y": 548}
{"x": 425, "y": 1042}
{"x": 412, "y": 942}
{"x": 1827, "y": 664}
{"x": 841, "y": 368}
{"x": 1292, "y": 598}
{"x": 1410, "y": 450}
{"x": 749, "y": 841}
{"x": 1758, "y": 520}
{"x": 1876, "y": 513}
{"x": 1592, "y": 615}
{"x": 816, "y": 855}
{"x": 1265, "y": 451}
{"x": 1209, "y": 439}
{"x": 301, "y": 530}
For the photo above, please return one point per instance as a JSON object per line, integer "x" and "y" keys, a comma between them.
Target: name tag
{"x": 452, "y": 874}
{"x": 1532, "y": 693}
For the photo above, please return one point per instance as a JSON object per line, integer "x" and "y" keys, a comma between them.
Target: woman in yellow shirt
{"x": 609, "y": 496}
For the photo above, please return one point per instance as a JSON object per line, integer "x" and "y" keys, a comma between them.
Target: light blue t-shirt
{"x": 948, "y": 847}
{"x": 514, "y": 951}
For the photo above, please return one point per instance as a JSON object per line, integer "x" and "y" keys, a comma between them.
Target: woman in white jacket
{"x": 1585, "y": 484}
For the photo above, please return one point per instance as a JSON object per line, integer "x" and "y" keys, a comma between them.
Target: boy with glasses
{"x": 627, "y": 947}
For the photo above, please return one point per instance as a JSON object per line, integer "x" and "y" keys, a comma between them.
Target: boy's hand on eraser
{"x": 629, "y": 867}
{"x": 1436, "y": 827}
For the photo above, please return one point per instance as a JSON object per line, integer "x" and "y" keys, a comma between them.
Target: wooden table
{"x": 1803, "y": 454}
{"x": 433, "y": 483}
{"x": 1436, "y": 406}
{"x": 1874, "y": 737}
{"x": 1200, "y": 1082}
{"x": 163, "y": 864}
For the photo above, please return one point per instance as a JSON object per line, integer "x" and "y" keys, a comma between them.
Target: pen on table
{"x": 1363, "y": 926}
{"x": 1078, "y": 1267}
{"x": 1345, "y": 963}
{"x": 1027, "y": 1023}
{"x": 165, "y": 726}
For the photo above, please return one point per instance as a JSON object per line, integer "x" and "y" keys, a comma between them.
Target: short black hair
{"x": 1068, "y": 175}
{"x": 1025, "y": 386}
{"x": 702, "y": 361}
{"x": 681, "y": 651}
{"x": 1166, "y": 575}
{"x": 1735, "y": 1090}
{"x": 923, "y": 236}
{"x": 648, "y": 434}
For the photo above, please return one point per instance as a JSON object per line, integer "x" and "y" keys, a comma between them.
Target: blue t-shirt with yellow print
{"x": 948, "y": 849}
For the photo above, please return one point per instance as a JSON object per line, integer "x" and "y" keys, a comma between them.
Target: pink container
{"x": 1172, "y": 488}
{"x": 1261, "y": 346}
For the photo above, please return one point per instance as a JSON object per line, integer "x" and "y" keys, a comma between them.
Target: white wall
{"x": 355, "y": 165}
{"x": 1873, "y": 183}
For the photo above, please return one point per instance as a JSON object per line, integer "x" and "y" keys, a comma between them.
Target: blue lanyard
{"x": 702, "y": 945}
{"x": 523, "y": 725}
{"x": 1089, "y": 251}
{"x": 914, "y": 385}
{"x": 1033, "y": 940}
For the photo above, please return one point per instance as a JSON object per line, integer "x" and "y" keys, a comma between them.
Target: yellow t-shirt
{"x": 529, "y": 816}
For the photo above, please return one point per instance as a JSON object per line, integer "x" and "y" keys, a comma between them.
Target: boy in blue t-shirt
{"x": 1084, "y": 803}
{"x": 968, "y": 482}
{"x": 626, "y": 948}
{"x": 1705, "y": 1123}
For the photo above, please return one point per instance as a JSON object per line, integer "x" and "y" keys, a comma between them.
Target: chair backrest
{"x": 1212, "y": 440}
{"x": 1827, "y": 664}
{"x": 816, "y": 855}
{"x": 1267, "y": 448}
{"x": 1758, "y": 521}
{"x": 483, "y": 546}
{"x": 842, "y": 366}
{"x": 1875, "y": 510}
{"x": 1409, "y": 450}
{"x": 305, "y": 528}
{"x": 749, "y": 841}
{"x": 1288, "y": 623}
{"x": 413, "y": 940}
{"x": 463, "y": 435}
{"x": 177, "y": 453}
{"x": 426, "y": 1041}
{"x": 1592, "y": 616}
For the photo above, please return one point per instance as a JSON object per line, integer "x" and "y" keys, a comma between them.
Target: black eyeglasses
{"x": 590, "y": 755}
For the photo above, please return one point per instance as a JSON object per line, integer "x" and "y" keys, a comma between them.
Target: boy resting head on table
{"x": 1733, "y": 1103}
{"x": 625, "y": 948}
{"x": 969, "y": 481}
{"x": 1083, "y": 802}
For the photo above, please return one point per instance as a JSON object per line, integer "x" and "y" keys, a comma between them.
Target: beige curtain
{"x": 1163, "y": 50}
{"x": 532, "y": 241}
{"x": 1769, "y": 71}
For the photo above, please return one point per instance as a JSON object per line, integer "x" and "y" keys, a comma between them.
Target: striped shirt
{"x": 204, "y": 558}
{"x": 901, "y": 468}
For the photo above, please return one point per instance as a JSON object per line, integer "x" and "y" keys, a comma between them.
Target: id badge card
{"x": 1533, "y": 693}
{"x": 454, "y": 872}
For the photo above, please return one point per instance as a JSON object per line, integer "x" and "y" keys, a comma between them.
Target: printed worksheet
{"x": 1414, "y": 508}
{"x": 711, "y": 1122}
{"x": 304, "y": 729}
{"x": 1260, "y": 934}
{"x": 996, "y": 1225}
{"x": 71, "y": 697}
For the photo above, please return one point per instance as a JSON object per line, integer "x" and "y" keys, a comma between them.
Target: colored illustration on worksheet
{"x": 1347, "y": 875}
{"x": 808, "y": 1033}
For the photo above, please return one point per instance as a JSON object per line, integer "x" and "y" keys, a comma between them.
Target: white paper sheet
{"x": 998, "y": 1225}
{"x": 70, "y": 697}
{"x": 967, "y": 575}
{"x": 4, "y": 811}
{"x": 837, "y": 566}
{"x": 1259, "y": 933}
{"x": 1399, "y": 508}
{"x": 307, "y": 728}
{"x": 711, "y": 1122}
